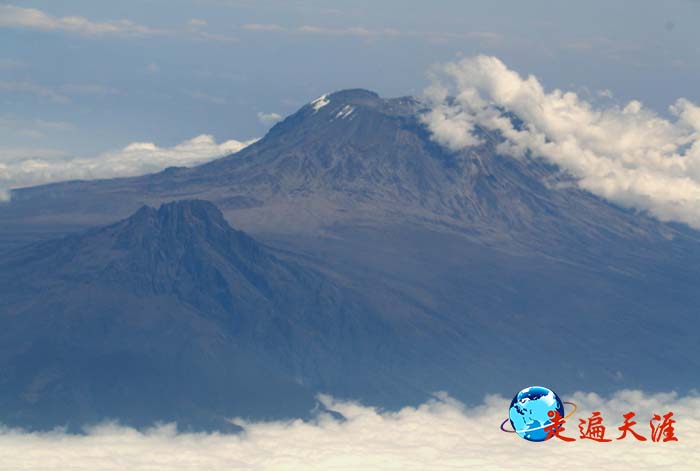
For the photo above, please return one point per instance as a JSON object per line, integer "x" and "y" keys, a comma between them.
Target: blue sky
{"x": 165, "y": 71}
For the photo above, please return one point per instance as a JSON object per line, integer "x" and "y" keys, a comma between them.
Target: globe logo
{"x": 535, "y": 413}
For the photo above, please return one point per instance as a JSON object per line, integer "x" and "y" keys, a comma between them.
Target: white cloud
{"x": 12, "y": 127}
{"x": 28, "y": 167}
{"x": 488, "y": 37}
{"x": 350, "y": 31}
{"x": 15, "y": 154}
{"x": 627, "y": 154}
{"x": 196, "y": 24}
{"x": 441, "y": 434}
{"x": 31, "y": 18}
{"x": 320, "y": 30}
{"x": 12, "y": 16}
{"x": 269, "y": 118}
{"x": 213, "y": 99}
{"x": 32, "y": 88}
{"x": 205, "y": 36}
{"x": 196, "y": 28}
{"x": 310, "y": 29}
{"x": 262, "y": 27}
{"x": 59, "y": 95}
{"x": 89, "y": 89}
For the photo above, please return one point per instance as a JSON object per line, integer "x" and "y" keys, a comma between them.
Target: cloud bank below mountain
{"x": 137, "y": 158}
{"x": 441, "y": 434}
{"x": 629, "y": 155}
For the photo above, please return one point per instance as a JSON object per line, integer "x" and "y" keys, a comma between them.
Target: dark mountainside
{"x": 172, "y": 315}
{"x": 469, "y": 272}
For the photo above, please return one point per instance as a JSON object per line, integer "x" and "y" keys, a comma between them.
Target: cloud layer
{"x": 441, "y": 434}
{"x": 31, "y": 18}
{"x": 137, "y": 158}
{"x": 268, "y": 119}
{"x": 627, "y": 154}
{"x": 12, "y": 16}
{"x": 489, "y": 37}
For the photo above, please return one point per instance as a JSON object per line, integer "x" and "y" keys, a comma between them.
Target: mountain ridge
{"x": 438, "y": 270}
{"x": 378, "y": 159}
{"x": 378, "y": 153}
{"x": 166, "y": 300}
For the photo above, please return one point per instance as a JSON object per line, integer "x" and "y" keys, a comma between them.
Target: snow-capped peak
{"x": 320, "y": 102}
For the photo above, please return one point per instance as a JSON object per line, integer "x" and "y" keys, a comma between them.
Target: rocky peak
{"x": 176, "y": 223}
{"x": 199, "y": 213}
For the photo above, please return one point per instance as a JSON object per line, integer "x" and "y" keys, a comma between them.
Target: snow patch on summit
{"x": 345, "y": 112}
{"x": 320, "y": 102}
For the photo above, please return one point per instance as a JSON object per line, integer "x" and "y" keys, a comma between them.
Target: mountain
{"x": 347, "y": 156}
{"x": 169, "y": 314}
{"x": 473, "y": 272}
